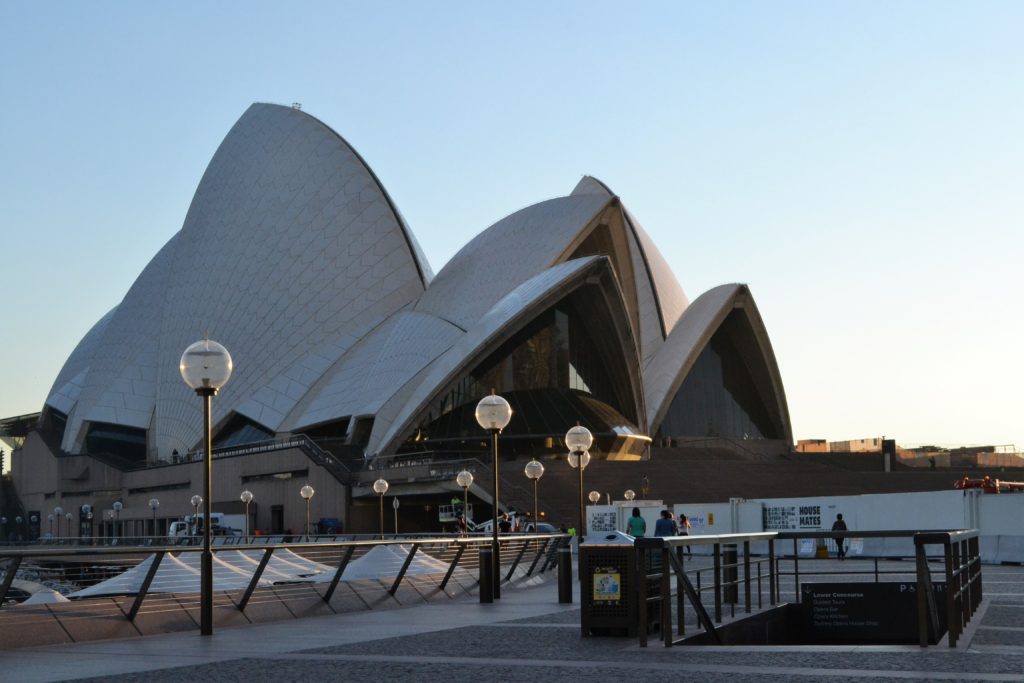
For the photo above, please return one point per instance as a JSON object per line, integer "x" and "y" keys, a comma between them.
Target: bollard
{"x": 486, "y": 575}
{"x": 565, "y": 575}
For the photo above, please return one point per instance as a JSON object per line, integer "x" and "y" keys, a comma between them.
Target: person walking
{"x": 684, "y": 529}
{"x": 665, "y": 526}
{"x": 636, "y": 526}
{"x": 839, "y": 525}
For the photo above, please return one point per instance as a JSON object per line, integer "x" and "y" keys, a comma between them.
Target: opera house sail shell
{"x": 293, "y": 256}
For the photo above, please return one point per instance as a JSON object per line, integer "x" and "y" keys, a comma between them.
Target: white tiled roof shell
{"x": 289, "y": 253}
{"x": 500, "y": 319}
{"x": 506, "y": 254}
{"x": 120, "y": 385}
{"x": 691, "y": 334}
{"x": 670, "y": 297}
{"x": 385, "y": 360}
{"x": 661, "y": 299}
{"x": 68, "y": 384}
{"x": 700, "y": 321}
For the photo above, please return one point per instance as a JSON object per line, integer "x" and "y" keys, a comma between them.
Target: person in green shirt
{"x": 636, "y": 526}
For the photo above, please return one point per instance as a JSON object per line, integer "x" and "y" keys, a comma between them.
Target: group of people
{"x": 666, "y": 525}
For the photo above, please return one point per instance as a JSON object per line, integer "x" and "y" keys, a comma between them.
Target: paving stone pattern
{"x": 527, "y": 636}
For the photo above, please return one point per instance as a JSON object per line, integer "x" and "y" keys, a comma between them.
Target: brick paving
{"x": 526, "y": 636}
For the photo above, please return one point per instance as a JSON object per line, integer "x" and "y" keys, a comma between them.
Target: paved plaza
{"x": 526, "y": 636}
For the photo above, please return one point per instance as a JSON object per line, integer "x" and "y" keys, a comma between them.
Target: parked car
{"x": 542, "y": 528}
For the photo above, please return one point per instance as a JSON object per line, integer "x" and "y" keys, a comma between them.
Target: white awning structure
{"x": 234, "y": 569}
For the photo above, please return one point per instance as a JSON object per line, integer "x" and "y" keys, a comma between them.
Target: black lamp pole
{"x": 206, "y": 563}
{"x": 495, "y": 547}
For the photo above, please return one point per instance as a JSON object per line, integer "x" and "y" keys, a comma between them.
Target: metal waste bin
{"x": 608, "y": 587}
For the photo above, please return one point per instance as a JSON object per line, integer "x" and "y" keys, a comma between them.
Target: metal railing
{"x": 659, "y": 560}
{"x": 243, "y": 570}
{"x": 961, "y": 563}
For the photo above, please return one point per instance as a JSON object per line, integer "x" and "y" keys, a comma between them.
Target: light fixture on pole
{"x": 58, "y": 512}
{"x": 465, "y": 480}
{"x": 579, "y": 439}
{"x": 534, "y": 470}
{"x": 307, "y": 493}
{"x": 594, "y": 497}
{"x": 380, "y": 487}
{"x": 246, "y": 498}
{"x": 630, "y": 494}
{"x": 50, "y": 517}
{"x": 68, "y": 516}
{"x": 493, "y": 413}
{"x": 153, "y": 505}
{"x": 196, "y": 501}
{"x": 206, "y": 367}
{"x": 117, "y": 507}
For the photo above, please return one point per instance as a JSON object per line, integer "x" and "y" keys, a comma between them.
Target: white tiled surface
{"x": 289, "y": 246}
{"x": 376, "y": 368}
{"x": 505, "y": 255}
{"x": 670, "y": 294}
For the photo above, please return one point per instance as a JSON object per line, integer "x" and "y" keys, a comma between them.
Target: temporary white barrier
{"x": 996, "y": 516}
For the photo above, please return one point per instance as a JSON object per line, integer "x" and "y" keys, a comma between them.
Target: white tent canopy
{"x": 233, "y": 570}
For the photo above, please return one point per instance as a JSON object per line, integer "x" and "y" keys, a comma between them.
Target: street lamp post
{"x": 534, "y": 470}
{"x": 68, "y": 516}
{"x": 380, "y": 487}
{"x": 58, "y": 513}
{"x": 196, "y": 501}
{"x": 206, "y": 366}
{"x": 594, "y": 497}
{"x": 153, "y": 505}
{"x": 50, "y": 517}
{"x": 307, "y": 493}
{"x": 3, "y": 529}
{"x": 246, "y": 498}
{"x": 579, "y": 439}
{"x": 493, "y": 413}
{"x": 118, "y": 506}
{"x": 465, "y": 479}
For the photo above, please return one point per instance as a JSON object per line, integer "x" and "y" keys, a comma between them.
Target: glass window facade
{"x": 564, "y": 367}
{"x": 117, "y": 442}
{"x": 724, "y": 393}
{"x": 241, "y": 430}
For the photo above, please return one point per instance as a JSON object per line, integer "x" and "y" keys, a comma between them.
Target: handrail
{"x": 655, "y": 561}
{"x": 668, "y": 562}
{"x": 962, "y": 568}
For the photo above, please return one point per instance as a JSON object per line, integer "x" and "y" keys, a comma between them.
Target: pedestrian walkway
{"x": 526, "y": 636}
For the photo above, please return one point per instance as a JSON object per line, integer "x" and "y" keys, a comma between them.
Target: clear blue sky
{"x": 860, "y": 165}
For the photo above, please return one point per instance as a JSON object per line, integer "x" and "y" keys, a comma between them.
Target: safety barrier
{"x": 660, "y": 559}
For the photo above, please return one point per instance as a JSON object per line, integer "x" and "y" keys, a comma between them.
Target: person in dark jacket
{"x": 665, "y": 526}
{"x": 839, "y": 525}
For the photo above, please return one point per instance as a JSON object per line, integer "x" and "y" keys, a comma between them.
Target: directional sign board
{"x": 840, "y": 613}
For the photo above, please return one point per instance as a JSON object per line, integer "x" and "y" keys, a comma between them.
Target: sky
{"x": 859, "y": 165}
